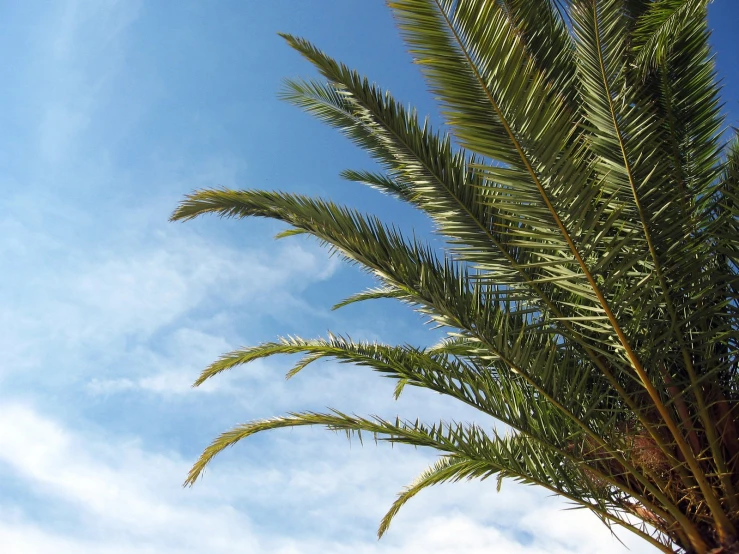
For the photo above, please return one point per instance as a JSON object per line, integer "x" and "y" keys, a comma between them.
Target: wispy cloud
{"x": 108, "y": 314}
{"x": 121, "y": 498}
{"x": 94, "y": 306}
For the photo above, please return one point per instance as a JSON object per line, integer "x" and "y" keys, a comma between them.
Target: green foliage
{"x": 589, "y": 284}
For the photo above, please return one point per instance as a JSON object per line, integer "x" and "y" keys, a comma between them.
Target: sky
{"x": 111, "y": 111}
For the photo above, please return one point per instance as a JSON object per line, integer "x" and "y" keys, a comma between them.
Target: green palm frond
{"x": 378, "y": 181}
{"x": 497, "y": 455}
{"x": 452, "y": 468}
{"x": 491, "y": 387}
{"x": 728, "y": 202}
{"x": 658, "y": 26}
{"x": 542, "y": 28}
{"x": 446, "y": 469}
{"x": 588, "y": 281}
{"x": 370, "y": 294}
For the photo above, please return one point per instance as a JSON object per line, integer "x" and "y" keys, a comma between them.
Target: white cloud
{"x": 144, "y": 290}
{"x": 98, "y": 305}
{"x": 116, "y": 497}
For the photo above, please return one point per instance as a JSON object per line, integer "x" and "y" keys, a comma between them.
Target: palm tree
{"x": 589, "y": 284}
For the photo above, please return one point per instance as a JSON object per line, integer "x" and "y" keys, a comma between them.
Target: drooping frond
{"x": 447, "y": 468}
{"x": 508, "y": 456}
{"x": 488, "y": 385}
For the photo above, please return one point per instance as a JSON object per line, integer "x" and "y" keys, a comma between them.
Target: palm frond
{"x": 370, "y": 294}
{"x": 447, "y": 468}
{"x": 657, "y": 28}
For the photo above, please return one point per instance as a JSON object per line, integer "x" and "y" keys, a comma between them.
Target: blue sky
{"x": 110, "y": 111}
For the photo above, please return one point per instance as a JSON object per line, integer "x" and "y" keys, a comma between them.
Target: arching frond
{"x": 660, "y": 24}
{"x": 447, "y": 468}
{"x": 370, "y": 294}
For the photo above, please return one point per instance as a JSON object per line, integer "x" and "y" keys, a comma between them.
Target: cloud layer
{"x": 107, "y": 494}
{"x": 109, "y": 313}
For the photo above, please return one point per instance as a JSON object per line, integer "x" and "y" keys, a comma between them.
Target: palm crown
{"x": 589, "y": 284}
